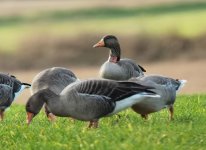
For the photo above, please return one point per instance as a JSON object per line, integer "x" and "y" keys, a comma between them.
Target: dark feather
{"x": 144, "y": 70}
{"x": 114, "y": 90}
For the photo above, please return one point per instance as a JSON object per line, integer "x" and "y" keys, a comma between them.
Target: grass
{"x": 183, "y": 19}
{"x": 187, "y": 131}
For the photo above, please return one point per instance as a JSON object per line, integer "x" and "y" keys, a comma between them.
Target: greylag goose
{"x": 116, "y": 68}
{"x": 6, "y": 98}
{"x": 54, "y": 79}
{"x": 163, "y": 86}
{"x": 10, "y": 88}
{"x": 89, "y": 100}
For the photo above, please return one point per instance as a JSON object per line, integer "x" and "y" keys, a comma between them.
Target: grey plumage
{"x": 163, "y": 86}
{"x": 92, "y": 99}
{"x": 10, "y": 87}
{"x": 11, "y": 81}
{"x": 122, "y": 70}
{"x": 52, "y": 79}
{"x": 116, "y": 68}
{"x": 6, "y": 96}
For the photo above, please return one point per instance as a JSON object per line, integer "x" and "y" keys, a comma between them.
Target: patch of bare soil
{"x": 48, "y": 51}
{"x": 193, "y": 72}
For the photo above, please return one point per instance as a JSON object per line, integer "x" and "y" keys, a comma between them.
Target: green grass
{"x": 182, "y": 19}
{"x": 187, "y": 131}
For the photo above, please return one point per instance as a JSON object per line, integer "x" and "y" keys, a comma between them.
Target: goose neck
{"x": 115, "y": 54}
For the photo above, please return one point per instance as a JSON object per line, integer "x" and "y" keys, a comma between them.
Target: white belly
{"x": 128, "y": 102}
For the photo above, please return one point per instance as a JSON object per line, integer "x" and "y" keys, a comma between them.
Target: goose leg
{"x": 171, "y": 110}
{"x": 93, "y": 123}
{"x": 119, "y": 116}
{"x": 72, "y": 119}
{"x": 49, "y": 115}
{"x": 1, "y": 115}
{"x": 145, "y": 116}
{"x": 90, "y": 124}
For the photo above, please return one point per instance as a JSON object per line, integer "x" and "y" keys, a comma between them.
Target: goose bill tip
{"x": 99, "y": 44}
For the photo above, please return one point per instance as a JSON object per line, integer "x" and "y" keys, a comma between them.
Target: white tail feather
{"x": 129, "y": 101}
{"x": 20, "y": 91}
{"x": 182, "y": 84}
{"x": 150, "y": 95}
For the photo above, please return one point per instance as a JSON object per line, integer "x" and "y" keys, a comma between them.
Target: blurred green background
{"x": 167, "y": 37}
{"x": 38, "y": 34}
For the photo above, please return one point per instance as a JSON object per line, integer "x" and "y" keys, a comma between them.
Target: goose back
{"x": 55, "y": 79}
{"x": 11, "y": 81}
{"x": 122, "y": 70}
{"x": 94, "y": 99}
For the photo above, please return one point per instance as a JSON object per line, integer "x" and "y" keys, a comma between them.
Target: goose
{"x": 116, "y": 68}
{"x": 54, "y": 79}
{"x": 6, "y": 98}
{"x": 10, "y": 88}
{"x": 166, "y": 87}
{"x": 89, "y": 100}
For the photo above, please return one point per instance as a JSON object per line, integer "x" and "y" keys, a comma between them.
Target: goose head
{"x": 33, "y": 106}
{"x": 36, "y": 102}
{"x": 111, "y": 42}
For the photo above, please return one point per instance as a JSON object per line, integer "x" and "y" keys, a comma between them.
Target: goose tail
{"x": 182, "y": 84}
{"x": 27, "y": 85}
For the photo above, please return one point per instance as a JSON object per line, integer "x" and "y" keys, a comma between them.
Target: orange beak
{"x": 29, "y": 117}
{"x": 99, "y": 44}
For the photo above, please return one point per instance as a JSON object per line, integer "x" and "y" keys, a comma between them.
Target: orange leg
{"x": 72, "y": 119}
{"x": 1, "y": 115}
{"x": 171, "y": 110}
{"x": 51, "y": 117}
{"x": 145, "y": 116}
{"x": 93, "y": 124}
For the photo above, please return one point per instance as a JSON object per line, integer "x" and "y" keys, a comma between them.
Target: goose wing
{"x": 6, "y": 79}
{"x": 98, "y": 97}
{"x": 112, "y": 89}
{"x": 11, "y": 81}
{"x": 5, "y": 96}
{"x": 162, "y": 81}
{"x": 135, "y": 70}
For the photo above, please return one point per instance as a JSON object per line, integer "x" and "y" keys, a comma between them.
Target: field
{"x": 167, "y": 37}
{"x": 173, "y": 18}
{"x": 129, "y": 131}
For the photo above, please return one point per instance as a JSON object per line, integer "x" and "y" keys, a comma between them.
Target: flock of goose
{"x": 124, "y": 85}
